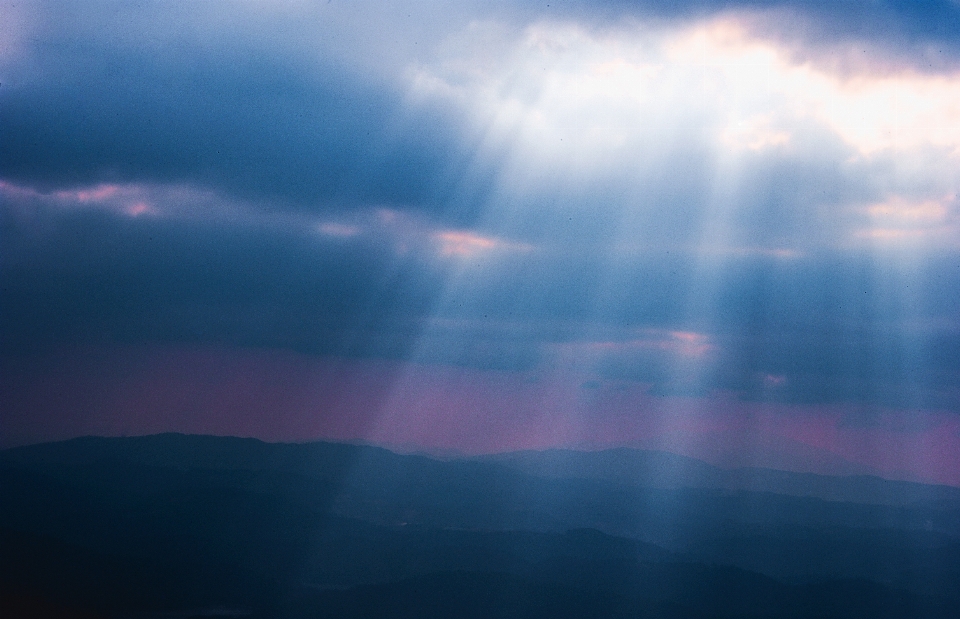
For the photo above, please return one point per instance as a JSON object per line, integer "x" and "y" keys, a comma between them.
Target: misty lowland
{"x": 179, "y": 525}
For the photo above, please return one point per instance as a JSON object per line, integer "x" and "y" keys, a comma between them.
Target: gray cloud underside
{"x": 242, "y": 125}
{"x": 824, "y": 324}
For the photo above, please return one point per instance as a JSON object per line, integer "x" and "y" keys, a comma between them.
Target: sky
{"x": 725, "y": 229}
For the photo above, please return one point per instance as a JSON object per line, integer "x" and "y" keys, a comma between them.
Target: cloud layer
{"x": 758, "y": 199}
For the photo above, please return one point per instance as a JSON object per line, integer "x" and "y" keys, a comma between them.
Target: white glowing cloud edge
{"x": 562, "y": 104}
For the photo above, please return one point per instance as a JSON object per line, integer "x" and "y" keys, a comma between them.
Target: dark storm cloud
{"x": 810, "y": 330}
{"x": 891, "y": 22}
{"x": 902, "y": 23}
{"x": 220, "y": 110}
{"x": 98, "y": 276}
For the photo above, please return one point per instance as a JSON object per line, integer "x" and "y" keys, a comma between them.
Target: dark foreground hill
{"x": 198, "y": 526}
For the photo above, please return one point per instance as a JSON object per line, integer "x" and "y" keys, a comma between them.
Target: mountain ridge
{"x": 622, "y": 465}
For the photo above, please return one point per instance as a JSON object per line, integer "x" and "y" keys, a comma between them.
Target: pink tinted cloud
{"x": 130, "y": 199}
{"x": 684, "y": 343}
{"x": 283, "y": 396}
{"x": 137, "y": 209}
{"x": 99, "y": 193}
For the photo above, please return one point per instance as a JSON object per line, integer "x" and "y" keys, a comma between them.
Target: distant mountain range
{"x": 659, "y": 469}
{"x": 729, "y": 449}
{"x": 220, "y": 526}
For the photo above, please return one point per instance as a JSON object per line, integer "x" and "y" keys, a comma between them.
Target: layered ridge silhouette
{"x": 201, "y": 525}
